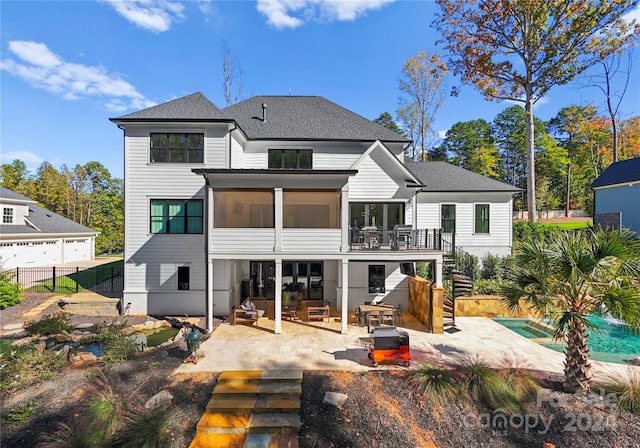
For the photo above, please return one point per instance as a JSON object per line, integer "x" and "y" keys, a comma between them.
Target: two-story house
{"x": 279, "y": 194}
{"x": 32, "y": 236}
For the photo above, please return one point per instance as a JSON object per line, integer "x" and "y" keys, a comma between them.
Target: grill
{"x": 389, "y": 344}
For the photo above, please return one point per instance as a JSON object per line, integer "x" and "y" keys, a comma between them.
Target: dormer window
{"x": 7, "y": 215}
{"x": 177, "y": 148}
{"x": 291, "y": 159}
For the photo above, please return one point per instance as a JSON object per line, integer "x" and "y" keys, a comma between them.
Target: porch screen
{"x": 243, "y": 209}
{"x": 311, "y": 209}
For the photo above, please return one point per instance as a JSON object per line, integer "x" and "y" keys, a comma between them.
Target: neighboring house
{"x": 475, "y": 208}
{"x": 616, "y": 196}
{"x": 284, "y": 193}
{"x": 32, "y": 236}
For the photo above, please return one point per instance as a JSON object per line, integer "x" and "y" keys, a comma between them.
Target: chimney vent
{"x": 264, "y": 112}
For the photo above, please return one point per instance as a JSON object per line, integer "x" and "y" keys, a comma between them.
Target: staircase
{"x": 252, "y": 408}
{"x": 460, "y": 285}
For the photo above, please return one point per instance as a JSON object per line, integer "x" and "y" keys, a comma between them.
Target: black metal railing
{"x": 68, "y": 280}
{"x": 371, "y": 239}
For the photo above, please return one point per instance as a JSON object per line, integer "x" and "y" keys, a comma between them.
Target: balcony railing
{"x": 402, "y": 238}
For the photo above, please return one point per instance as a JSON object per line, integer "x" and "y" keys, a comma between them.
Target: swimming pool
{"x": 609, "y": 339}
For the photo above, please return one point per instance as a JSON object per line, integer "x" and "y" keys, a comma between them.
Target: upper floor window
{"x": 448, "y": 218}
{"x": 482, "y": 218}
{"x": 177, "y": 148}
{"x": 291, "y": 159}
{"x": 176, "y": 216}
{"x": 7, "y": 215}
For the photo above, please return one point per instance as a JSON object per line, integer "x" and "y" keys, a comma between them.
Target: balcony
{"x": 401, "y": 238}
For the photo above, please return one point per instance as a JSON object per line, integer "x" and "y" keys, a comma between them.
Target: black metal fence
{"x": 68, "y": 280}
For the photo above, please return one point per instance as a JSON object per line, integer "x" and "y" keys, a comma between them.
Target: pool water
{"x": 609, "y": 339}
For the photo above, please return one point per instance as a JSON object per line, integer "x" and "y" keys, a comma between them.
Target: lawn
{"x": 568, "y": 225}
{"x": 73, "y": 281}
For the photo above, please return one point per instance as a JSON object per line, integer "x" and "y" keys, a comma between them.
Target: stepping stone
{"x": 83, "y": 326}
{"x": 12, "y": 327}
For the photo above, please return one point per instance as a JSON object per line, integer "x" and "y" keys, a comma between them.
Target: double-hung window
{"x": 176, "y": 216}
{"x": 7, "y": 215}
{"x": 482, "y": 218}
{"x": 448, "y": 218}
{"x": 177, "y": 148}
{"x": 291, "y": 159}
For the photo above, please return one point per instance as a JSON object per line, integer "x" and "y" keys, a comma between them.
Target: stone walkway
{"x": 252, "y": 408}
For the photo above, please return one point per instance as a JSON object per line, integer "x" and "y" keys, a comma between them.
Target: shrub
{"x": 627, "y": 390}
{"x": 20, "y": 367}
{"x": 144, "y": 429}
{"x": 523, "y": 385}
{"x": 489, "y": 287}
{"x": 10, "y": 293}
{"x": 65, "y": 436}
{"x": 438, "y": 385}
{"x": 53, "y": 324}
{"x": 467, "y": 263}
{"x": 117, "y": 346}
{"x": 486, "y": 387}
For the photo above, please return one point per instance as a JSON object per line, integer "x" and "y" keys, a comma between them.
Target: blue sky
{"x": 66, "y": 67}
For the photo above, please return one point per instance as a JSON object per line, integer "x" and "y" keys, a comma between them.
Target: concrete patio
{"x": 320, "y": 346}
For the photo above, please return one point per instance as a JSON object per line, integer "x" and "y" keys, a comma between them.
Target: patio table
{"x": 365, "y": 310}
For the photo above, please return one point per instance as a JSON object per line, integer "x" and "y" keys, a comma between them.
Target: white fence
{"x": 545, "y": 214}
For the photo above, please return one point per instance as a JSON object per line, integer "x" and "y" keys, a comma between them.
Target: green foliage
{"x": 144, "y": 429}
{"x": 485, "y": 386}
{"x": 106, "y": 409}
{"x": 19, "y": 414}
{"x": 489, "y": 287}
{"x": 467, "y": 263}
{"x": 523, "y": 385}
{"x": 385, "y": 119}
{"x": 10, "y": 293}
{"x": 437, "y": 385}
{"x": 52, "y": 324}
{"x": 65, "y": 436}
{"x": 117, "y": 346}
{"x": 81, "y": 280}
{"x": 20, "y": 367}
{"x": 627, "y": 390}
{"x": 495, "y": 267}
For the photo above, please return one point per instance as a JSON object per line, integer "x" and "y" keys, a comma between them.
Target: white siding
{"x": 237, "y": 154}
{"x": 371, "y": 183}
{"x": 396, "y": 284}
{"x": 499, "y": 239}
{"x": 326, "y": 156}
{"x": 230, "y": 241}
{"x": 311, "y": 240}
{"x": 147, "y": 256}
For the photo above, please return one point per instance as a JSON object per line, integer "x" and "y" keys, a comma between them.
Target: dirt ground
{"x": 381, "y": 410}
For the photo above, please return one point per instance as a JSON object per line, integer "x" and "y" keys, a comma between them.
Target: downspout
{"x": 207, "y": 267}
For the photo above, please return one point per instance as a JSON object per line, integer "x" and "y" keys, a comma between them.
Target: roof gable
{"x": 5, "y": 193}
{"x": 305, "y": 118}
{"x": 191, "y": 107}
{"x": 618, "y": 173}
{"x": 445, "y": 177}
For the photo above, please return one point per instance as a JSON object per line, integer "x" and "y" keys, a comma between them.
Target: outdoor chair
{"x": 397, "y": 312}
{"x": 373, "y": 317}
{"x": 319, "y": 312}
{"x": 388, "y": 317}
{"x": 402, "y": 233}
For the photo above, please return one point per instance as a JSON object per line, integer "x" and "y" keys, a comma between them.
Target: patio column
{"x": 438, "y": 273}
{"x": 278, "y": 294}
{"x": 345, "y": 296}
{"x": 344, "y": 219}
{"x": 209, "y": 296}
{"x": 278, "y": 221}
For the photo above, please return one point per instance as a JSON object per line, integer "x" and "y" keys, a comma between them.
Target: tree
{"x": 15, "y": 177}
{"x": 422, "y": 87}
{"x": 231, "y": 77}
{"x": 509, "y": 130}
{"x": 385, "y": 119}
{"x": 519, "y": 49}
{"x": 570, "y": 275}
{"x": 466, "y": 137}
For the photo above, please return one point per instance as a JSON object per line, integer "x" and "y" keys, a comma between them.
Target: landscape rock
{"x": 334, "y": 399}
{"x": 138, "y": 327}
{"x": 149, "y": 325}
{"x": 23, "y": 341}
{"x": 84, "y": 356}
{"x": 161, "y": 399}
{"x": 84, "y": 326}
{"x": 63, "y": 338}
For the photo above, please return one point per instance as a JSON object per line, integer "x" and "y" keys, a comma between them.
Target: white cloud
{"x": 30, "y": 159}
{"x": 290, "y": 13}
{"x": 43, "y": 69}
{"x": 151, "y": 15}
{"x": 441, "y": 134}
{"x": 634, "y": 14}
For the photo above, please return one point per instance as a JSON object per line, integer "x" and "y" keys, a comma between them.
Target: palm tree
{"x": 569, "y": 275}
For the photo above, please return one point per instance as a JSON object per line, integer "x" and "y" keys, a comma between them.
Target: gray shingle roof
{"x": 46, "y": 221}
{"x": 618, "y": 173}
{"x": 191, "y": 107}
{"x": 305, "y": 118}
{"x": 445, "y": 177}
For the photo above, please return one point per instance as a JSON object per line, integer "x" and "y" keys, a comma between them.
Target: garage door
{"x": 76, "y": 250}
{"x": 30, "y": 254}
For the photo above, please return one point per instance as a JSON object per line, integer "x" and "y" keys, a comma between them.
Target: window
{"x": 448, "y": 216}
{"x": 291, "y": 159}
{"x": 176, "y": 216}
{"x": 482, "y": 218}
{"x": 177, "y": 148}
{"x": 382, "y": 215}
{"x": 376, "y": 278}
{"x": 243, "y": 209}
{"x": 183, "y": 278}
{"x": 7, "y": 215}
{"x": 311, "y": 209}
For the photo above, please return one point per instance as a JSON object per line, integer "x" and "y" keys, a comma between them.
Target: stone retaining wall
{"x": 91, "y": 306}
{"x": 489, "y": 306}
